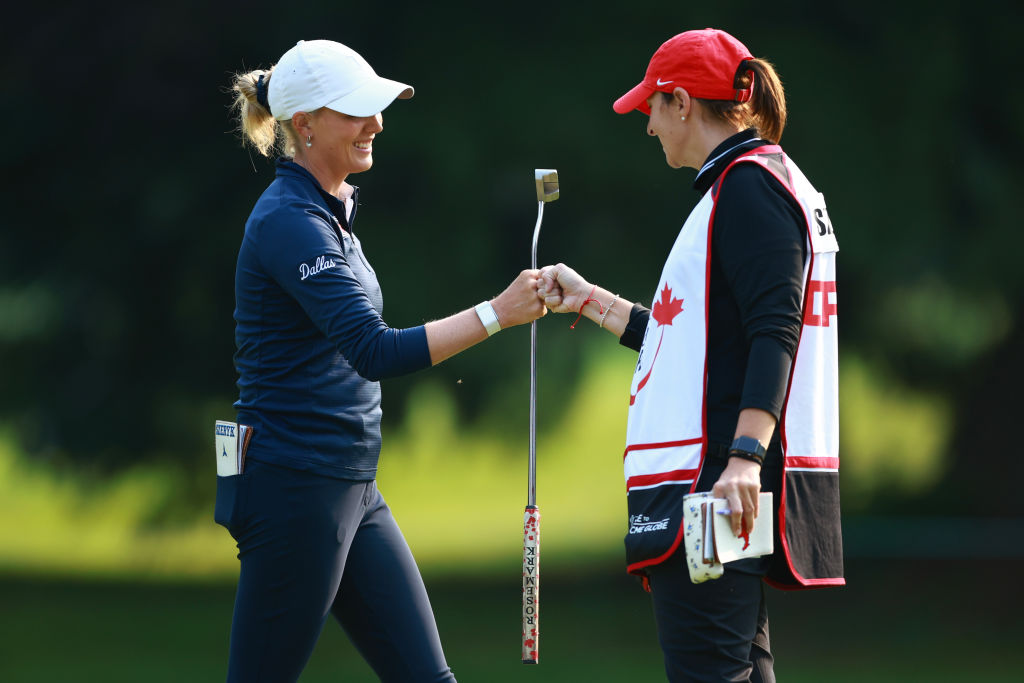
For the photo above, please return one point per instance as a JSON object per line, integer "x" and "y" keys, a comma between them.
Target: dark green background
{"x": 903, "y": 621}
{"x": 126, "y": 191}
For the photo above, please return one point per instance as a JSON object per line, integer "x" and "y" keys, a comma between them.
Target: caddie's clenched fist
{"x": 563, "y": 289}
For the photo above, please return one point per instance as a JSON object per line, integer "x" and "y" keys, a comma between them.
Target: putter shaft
{"x": 546, "y": 180}
{"x": 531, "y": 494}
{"x": 547, "y": 191}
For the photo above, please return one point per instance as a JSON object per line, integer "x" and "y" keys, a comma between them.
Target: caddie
{"x": 736, "y": 387}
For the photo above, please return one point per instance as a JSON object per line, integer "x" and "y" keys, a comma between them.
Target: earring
{"x": 309, "y": 143}
{"x": 682, "y": 118}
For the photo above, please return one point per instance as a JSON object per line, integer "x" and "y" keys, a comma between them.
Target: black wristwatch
{"x": 748, "y": 448}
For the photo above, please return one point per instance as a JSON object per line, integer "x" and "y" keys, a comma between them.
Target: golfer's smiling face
{"x": 345, "y": 143}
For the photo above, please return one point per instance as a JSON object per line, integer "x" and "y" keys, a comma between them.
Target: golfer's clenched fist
{"x": 521, "y": 302}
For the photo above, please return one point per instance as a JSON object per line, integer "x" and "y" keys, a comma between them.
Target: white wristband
{"x": 488, "y": 317}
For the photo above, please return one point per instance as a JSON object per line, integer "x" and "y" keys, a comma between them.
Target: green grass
{"x": 897, "y": 621}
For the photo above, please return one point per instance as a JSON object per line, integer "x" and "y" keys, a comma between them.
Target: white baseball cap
{"x": 323, "y": 73}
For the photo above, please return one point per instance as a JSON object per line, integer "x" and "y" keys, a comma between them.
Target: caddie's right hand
{"x": 563, "y": 289}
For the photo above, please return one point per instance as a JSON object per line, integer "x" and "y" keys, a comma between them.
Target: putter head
{"x": 547, "y": 184}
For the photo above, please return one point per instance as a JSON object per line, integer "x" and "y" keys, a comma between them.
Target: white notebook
{"x": 708, "y": 538}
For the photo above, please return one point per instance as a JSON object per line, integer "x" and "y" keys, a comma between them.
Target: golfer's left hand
{"x": 740, "y": 484}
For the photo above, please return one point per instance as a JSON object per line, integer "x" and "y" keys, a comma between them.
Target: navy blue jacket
{"x": 311, "y": 343}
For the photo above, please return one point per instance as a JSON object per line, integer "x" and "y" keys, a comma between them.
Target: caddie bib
{"x": 666, "y": 433}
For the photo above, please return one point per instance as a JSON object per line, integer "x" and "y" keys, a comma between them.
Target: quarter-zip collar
{"x": 286, "y": 167}
{"x": 723, "y": 155}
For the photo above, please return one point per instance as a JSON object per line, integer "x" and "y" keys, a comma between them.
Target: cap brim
{"x": 372, "y": 97}
{"x": 634, "y": 99}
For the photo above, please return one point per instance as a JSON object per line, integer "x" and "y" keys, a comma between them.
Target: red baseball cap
{"x": 703, "y": 62}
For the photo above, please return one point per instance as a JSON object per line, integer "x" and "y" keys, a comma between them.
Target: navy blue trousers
{"x": 310, "y": 546}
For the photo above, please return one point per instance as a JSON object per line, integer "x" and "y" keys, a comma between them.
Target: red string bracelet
{"x": 590, "y": 297}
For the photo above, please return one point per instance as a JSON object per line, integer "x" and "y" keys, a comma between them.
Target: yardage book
{"x": 231, "y": 441}
{"x": 709, "y": 540}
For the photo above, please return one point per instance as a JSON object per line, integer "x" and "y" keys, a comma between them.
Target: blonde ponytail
{"x": 255, "y": 122}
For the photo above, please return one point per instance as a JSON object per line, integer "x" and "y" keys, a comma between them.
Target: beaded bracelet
{"x": 607, "y": 310}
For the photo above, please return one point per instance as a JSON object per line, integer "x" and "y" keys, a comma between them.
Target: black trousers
{"x": 713, "y": 631}
{"x": 311, "y": 546}
{"x": 717, "y": 630}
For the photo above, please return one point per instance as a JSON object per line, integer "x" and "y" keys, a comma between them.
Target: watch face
{"x": 748, "y": 444}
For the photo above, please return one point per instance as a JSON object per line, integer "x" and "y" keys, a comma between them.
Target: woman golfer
{"x": 735, "y": 390}
{"x": 315, "y": 537}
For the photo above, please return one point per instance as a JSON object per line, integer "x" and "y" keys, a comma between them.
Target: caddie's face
{"x": 665, "y": 124}
{"x": 343, "y": 142}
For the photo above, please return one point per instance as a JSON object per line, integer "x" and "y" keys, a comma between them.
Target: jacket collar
{"x": 287, "y": 168}
{"x": 723, "y": 155}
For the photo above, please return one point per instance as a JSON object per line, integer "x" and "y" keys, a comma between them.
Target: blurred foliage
{"x": 894, "y": 441}
{"x": 125, "y": 201}
{"x": 457, "y": 489}
{"x": 77, "y": 523}
{"x": 457, "y": 486}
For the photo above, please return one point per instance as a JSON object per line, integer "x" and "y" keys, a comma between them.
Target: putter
{"x": 547, "y": 191}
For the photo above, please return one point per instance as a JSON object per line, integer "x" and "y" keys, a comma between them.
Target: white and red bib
{"x": 666, "y": 435}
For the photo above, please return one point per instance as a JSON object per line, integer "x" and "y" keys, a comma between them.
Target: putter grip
{"x": 531, "y": 584}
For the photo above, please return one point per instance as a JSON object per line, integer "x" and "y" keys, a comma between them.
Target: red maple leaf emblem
{"x": 664, "y": 312}
{"x": 667, "y": 307}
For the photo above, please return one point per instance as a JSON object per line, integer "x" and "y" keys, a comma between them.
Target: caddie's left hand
{"x": 740, "y": 484}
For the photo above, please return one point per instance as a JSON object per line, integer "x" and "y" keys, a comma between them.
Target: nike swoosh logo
{"x": 661, "y": 83}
